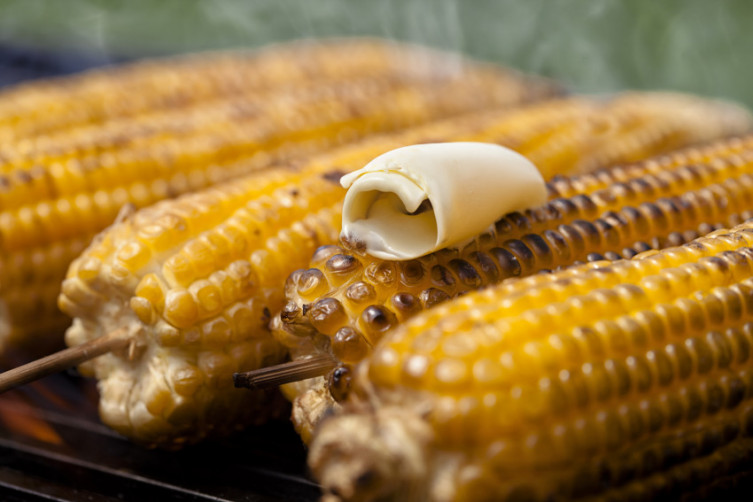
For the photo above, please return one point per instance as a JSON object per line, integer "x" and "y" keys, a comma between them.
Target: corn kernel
{"x": 180, "y": 309}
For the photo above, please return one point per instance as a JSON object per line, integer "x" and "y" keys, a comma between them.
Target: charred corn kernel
{"x": 76, "y": 150}
{"x": 255, "y": 232}
{"x": 620, "y": 391}
{"x": 369, "y": 296}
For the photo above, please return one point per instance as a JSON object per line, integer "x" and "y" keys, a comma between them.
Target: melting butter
{"x": 418, "y": 199}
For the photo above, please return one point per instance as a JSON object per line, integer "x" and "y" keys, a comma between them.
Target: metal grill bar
{"x": 92, "y": 463}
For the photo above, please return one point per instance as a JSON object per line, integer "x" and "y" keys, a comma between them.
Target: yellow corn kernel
{"x": 133, "y": 256}
{"x": 180, "y": 309}
{"x": 143, "y": 310}
{"x": 152, "y": 289}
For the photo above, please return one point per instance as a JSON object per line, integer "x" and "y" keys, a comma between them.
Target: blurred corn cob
{"x": 76, "y": 150}
{"x": 144, "y": 88}
{"x": 628, "y": 379}
{"x": 345, "y": 302}
{"x": 197, "y": 279}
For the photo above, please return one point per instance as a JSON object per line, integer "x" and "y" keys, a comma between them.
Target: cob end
{"x": 370, "y": 456}
{"x": 310, "y": 407}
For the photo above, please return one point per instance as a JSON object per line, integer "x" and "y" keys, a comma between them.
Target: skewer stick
{"x": 293, "y": 371}
{"x": 63, "y": 360}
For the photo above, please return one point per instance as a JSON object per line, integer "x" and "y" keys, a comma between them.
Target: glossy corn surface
{"x": 608, "y": 380}
{"x": 345, "y": 302}
{"x": 196, "y": 280}
{"x": 198, "y": 277}
{"x": 74, "y": 151}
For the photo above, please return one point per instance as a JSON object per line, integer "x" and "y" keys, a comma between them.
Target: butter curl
{"x": 417, "y": 199}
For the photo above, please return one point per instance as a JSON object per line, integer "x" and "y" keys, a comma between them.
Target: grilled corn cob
{"x": 345, "y": 302}
{"x": 611, "y": 379}
{"x": 196, "y": 279}
{"x": 138, "y": 135}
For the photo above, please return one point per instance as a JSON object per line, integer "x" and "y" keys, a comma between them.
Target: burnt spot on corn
{"x": 411, "y": 272}
{"x": 467, "y": 274}
{"x": 540, "y": 250}
{"x": 585, "y": 205}
{"x": 24, "y": 177}
{"x": 433, "y": 296}
{"x": 360, "y": 292}
{"x": 327, "y": 315}
{"x": 381, "y": 273}
{"x": 342, "y": 264}
{"x": 349, "y": 346}
{"x": 508, "y": 262}
{"x": 311, "y": 282}
{"x": 503, "y": 226}
{"x": 559, "y": 246}
{"x": 376, "y": 320}
{"x": 523, "y": 255}
{"x": 518, "y": 221}
{"x": 655, "y": 215}
{"x": 565, "y": 208}
{"x": 485, "y": 264}
{"x": 589, "y": 233}
{"x": 406, "y": 305}
{"x": 441, "y": 277}
{"x": 338, "y": 382}
{"x": 334, "y": 175}
{"x": 324, "y": 253}
{"x": 353, "y": 244}
{"x": 290, "y": 312}
{"x": 609, "y": 234}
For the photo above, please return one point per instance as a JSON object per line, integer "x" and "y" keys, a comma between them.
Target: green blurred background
{"x": 703, "y": 46}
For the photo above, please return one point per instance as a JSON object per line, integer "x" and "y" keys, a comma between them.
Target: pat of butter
{"x": 418, "y": 199}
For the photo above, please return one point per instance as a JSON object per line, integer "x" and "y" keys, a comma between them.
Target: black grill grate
{"x": 22, "y": 63}
{"x": 72, "y": 457}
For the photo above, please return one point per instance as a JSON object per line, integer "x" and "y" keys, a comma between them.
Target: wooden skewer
{"x": 272, "y": 376}
{"x": 285, "y": 373}
{"x": 64, "y": 359}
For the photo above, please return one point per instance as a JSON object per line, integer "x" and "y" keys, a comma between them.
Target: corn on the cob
{"x": 196, "y": 279}
{"x": 139, "y": 137}
{"x": 143, "y": 88}
{"x": 607, "y": 380}
{"x": 345, "y": 302}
